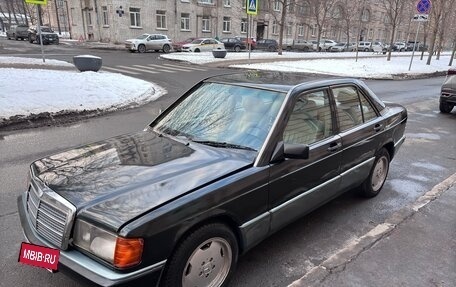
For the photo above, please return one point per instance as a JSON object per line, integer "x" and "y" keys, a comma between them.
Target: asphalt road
{"x": 427, "y": 157}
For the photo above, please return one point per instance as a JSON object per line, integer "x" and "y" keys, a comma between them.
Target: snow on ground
{"x": 33, "y": 91}
{"x": 369, "y": 65}
{"x": 373, "y": 68}
{"x": 33, "y": 61}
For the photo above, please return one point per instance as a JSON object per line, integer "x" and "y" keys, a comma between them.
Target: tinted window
{"x": 310, "y": 120}
{"x": 348, "y": 107}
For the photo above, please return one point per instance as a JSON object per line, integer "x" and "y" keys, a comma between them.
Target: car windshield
{"x": 226, "y": 115}
{"x": 143, "y": 36}
{"x": 46, "y": 29}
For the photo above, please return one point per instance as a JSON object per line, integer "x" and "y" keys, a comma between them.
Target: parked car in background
{"x": 325, "y": 45}
{"x": 18, "y": 32}
{"x": 232, "y": 161}
{"x": 314, "y": 44}
{"x": 299, "y": 45}
{"x": 418, "y": 46}
{"x": 364, "y": 46}
{"x": 203, "y": 45}
{"x": 343, "y": 47}
{"x": 47, "y": 35}
{"x": 149, "y": 42}
{"x": 270, "y": 45}
{"x": 448, "y": 92}
{"x": 378, "y": 47}
{"x": 177, "y": 46}
{"x": 399, "y": 46}
{"x": 252, "y": 41}
{"x": 233, "y": 44}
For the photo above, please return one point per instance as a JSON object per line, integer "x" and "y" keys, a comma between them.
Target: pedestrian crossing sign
{"x": 39, "y": 2}
{"x": 252, "y": 7}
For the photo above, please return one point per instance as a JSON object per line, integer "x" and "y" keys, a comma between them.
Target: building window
{"x": 243, "y": 25}
{"x": 313, "y": 30}
{"x": 72, "y": 11}
{"x": 185, "y": 22}
{"x": 244, "y": 3}
{"x": 226, "y": 24}
{"x": 289, "y": 28}
{"x": 104, "y": 10}
{"x": 304, "y": 9}
{"x": 365, "y": 16}
{"x": 276, "y": 5}
{"x": 206, "y": 25}
{"x": 89, "y": 18}
{"x": 227, "y": 3}
{"x": 337, "y": 12}
{"x": 161, "y": 19}
{"x": 135, "y": 17}
{"x": 206, "y": 1}
{"x": 300, "y": 30}
{"x": 186, "y": 1}
{"x": 275, "y": 28}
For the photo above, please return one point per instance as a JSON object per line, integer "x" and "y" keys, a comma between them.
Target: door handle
{"x": 378, "y": 127}
{"x": 334, "y": 146}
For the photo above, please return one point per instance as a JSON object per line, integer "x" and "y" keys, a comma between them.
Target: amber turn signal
{"x": 128, "y": 252}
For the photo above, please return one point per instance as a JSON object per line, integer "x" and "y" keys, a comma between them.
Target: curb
{"x": 337, "y": 262}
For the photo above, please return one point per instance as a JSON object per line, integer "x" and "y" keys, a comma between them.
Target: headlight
{"x": 120, "y": 252}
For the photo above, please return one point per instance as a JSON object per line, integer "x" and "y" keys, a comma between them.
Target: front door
{"x": 299, "y": 185}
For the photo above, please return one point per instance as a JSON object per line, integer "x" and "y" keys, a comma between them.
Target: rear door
{"x": 299, "y": 185}
{"x": 359, "y": 126}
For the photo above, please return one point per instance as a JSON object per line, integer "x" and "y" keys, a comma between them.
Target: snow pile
{"x": 33, "y": 61}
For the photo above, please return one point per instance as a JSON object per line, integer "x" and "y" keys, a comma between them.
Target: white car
{"x": 147, "y": 42}
{"x": 325, "y": 45}
{"x": 203, "y": 45}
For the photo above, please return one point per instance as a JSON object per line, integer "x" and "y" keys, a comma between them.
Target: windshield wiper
{"x": 223, "y": 145}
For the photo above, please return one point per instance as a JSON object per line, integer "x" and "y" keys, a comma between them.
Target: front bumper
{"x": 83, "y": 265}
{"x": 448, "y": 97}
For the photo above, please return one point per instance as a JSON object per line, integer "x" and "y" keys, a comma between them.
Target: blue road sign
{"x": 423, "y": 6}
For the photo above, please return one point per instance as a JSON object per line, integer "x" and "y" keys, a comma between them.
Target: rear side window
{"x": 352, "y": 107}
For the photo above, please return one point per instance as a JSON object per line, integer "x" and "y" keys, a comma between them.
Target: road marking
{"x": 119, "y": 70}
{"x": 136, "y": 69}
{"x": 191, "y": 68}
{"x": 170, "y": 68}
{"x": 150, "y": 68}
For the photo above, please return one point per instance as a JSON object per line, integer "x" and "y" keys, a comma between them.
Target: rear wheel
{"x": 206, "y": 257}
{"x": 237, "y": 48}
{"x": 377, "y": 176}
{"x": 366, "y": 50}
{"x": 445, "y": 108}
{"x": 271, "y": 48}
{"x": 306, "y": 49}
{"x": 141, "y": 48}
{"x": 166, "y": 49}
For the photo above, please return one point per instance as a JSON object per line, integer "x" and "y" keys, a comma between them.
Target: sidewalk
{"x": 419, "y": 251}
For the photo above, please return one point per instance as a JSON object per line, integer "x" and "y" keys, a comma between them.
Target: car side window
{"x": 310, "y": 120}
{"x": 352, "y": 108}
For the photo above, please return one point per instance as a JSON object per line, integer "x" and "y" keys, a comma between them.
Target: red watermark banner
{"x": 39, "y": 256}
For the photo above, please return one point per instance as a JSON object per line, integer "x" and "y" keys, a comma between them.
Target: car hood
{"x": 134, "y": 40}
{"x": 118, "y": 179}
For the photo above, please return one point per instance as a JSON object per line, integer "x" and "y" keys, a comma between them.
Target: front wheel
{"x": 206, "y": 257}
{"x": 141, "y": 48}
{"x": 445, "y": 108}
{"x": 237, "y": 49}
{"x": 377, "y": 176}
{"x": 166, "y": 49}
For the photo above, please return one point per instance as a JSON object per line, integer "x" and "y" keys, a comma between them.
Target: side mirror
{"x": 295, "y": 151}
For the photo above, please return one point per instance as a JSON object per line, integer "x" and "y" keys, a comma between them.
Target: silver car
{"x": 147, "y": 42}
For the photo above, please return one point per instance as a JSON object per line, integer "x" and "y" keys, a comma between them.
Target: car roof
{"x": 277, "y": 81}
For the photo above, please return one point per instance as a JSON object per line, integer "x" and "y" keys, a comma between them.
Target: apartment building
{"x": 116, "y": 20}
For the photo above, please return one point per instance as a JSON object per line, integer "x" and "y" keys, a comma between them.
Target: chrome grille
{"x": 51, "y": 215}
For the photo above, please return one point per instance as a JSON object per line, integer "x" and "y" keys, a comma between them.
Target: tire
{"x": 30, "y": 39}
{"x": 271, "y": 48}
{"x": 305, "y": 49}
{"x": 445, "y": 108}
{"x": 366, "y": 50}
{"x": 206, "y": 257}
{"x": 166, "y": 49}
{"x": 237, "y": 49}
{"x": 15, "y": 37}
{"x": 197, "y": 50}
{"x": 288, "y": 48}
{"x": 377, "y": 176}
{"x": 401, "y": 50}
{"x": 141, "y": 49}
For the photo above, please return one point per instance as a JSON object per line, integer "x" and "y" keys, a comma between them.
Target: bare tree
{"x": 279, "y": 9}
{"x": 446, "y": 14}
{"x": 321, "y": 11}
{"x": 394, "y": 11}
{"x": 436, "y": 19}
{"x": 349, "y": 18}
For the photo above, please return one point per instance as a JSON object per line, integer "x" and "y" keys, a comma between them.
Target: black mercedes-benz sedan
{"x": 233, "y": 160}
